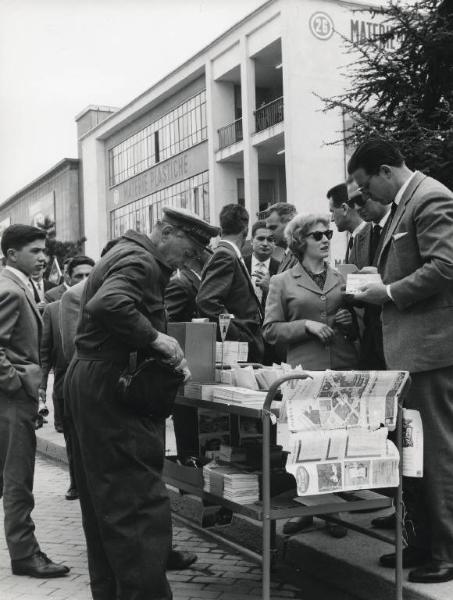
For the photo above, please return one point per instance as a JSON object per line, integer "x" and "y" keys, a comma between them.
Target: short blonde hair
{"x": 297, "y": 229}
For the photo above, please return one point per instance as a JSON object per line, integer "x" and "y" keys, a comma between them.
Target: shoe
{"x": 412, "y": 557}
{"x": 433, "y": 572}
{"x": 72, "y": 493}
{"x": 336, "y": 531}
{"x": 298, "y": 524}
{"x": 388, "y": 522}
{"x": 178, "y": 561}
{"x": 38, "y": 565}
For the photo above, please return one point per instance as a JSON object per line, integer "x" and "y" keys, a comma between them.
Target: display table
{"x": 283, "y": 506}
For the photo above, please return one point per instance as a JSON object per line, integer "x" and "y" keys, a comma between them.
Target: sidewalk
{"x": 351, "y": 562}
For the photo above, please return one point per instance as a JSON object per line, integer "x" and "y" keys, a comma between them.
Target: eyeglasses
{"x": 317, "y": 235}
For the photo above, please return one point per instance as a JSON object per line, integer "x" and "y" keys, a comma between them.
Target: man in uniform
{"x": 118, "y": 455}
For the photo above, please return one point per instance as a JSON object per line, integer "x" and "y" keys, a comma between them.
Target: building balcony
{"x": 230, "y": 134}
{"x": 269, "y": 114}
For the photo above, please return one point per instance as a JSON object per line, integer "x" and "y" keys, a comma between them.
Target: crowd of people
{"x": 286, "y": 301}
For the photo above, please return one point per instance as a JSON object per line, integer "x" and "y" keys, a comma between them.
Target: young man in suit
{"x": 416, "y": 295}
{"x": 277, "y": 218}
{"x": 20, "y": 331}
{"x": 260, "y": 263}
{"x": 226, "y": 286}
{"x": 347, "y": 219}
{"x": 52, "y": 357}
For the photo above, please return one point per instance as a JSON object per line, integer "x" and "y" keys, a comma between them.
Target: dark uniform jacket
{"x": 226, "y": 287}
{"x": 181, "y": 296}
{"x": 122, "y": 307}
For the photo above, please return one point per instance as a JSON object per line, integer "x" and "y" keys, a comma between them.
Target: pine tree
{"x": 405, "y": 94}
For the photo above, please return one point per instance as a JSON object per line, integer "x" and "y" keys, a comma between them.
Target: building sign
{"x": 321, "y": 25}
{"x": 364, "y": 30}
{"x": 161, "y": 176}
{"x": 42, "y": 209}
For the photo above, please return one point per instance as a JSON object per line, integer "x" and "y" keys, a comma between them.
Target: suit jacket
{"x": 69, "y": 310}
{"x": 360, "y": 251}
{"x": 288, "y": 261}
{"x": 226, "y": 287}
{"x": 294, "y": 298}
{"x": 417, "y": 259}
{"x": 55, "y": 293}
{"x": 52, "y": 356}
{"x": 181, "y": 296}
{"x": 273, "y": 268}
{"x": 20, "y": 334}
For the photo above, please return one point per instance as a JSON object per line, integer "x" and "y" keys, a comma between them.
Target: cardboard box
{"x": 184, "y": 475}
{"x": 198, "y": 341}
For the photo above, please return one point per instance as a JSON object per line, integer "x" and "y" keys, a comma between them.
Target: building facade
{"x": 54, "y": 195}
{"x": 239, "y": 122}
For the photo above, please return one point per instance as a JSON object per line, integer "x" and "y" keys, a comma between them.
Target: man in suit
{"x": 416, "y": 295}
{"x": 41, "y": 286}
{"x": 20, "y": 331}
{"x": 119, "y": 454}
{"x": 260, "y": 263}
{"x": 277, "y": 218}
{"x": 226, "y": 286}
{"x": 52, "y": 357}
{"x": 347, "y": 219}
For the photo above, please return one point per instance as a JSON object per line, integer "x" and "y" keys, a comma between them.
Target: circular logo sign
{"x": 321, "y": 25}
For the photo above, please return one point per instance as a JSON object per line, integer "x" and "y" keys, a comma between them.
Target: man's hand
{"x": 262, "y": 280}
{"x": 343, "y": 318}
{"x": 372, "y": 293}
{"x": 169, "y": 348}
{"x": 42, "y": 395}
{"x": 320, "y": 330}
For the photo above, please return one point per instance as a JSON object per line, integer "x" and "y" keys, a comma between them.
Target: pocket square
{"x": 398, "y": 236}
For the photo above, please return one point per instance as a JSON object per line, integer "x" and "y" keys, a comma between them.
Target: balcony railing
{"x": 230, "y": 134}
{"x": 269, "y": 114}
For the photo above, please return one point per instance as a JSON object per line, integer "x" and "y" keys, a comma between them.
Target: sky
{"x": 59, "y": 56}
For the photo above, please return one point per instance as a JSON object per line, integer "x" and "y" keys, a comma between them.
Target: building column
{"x": 251, "y": 176}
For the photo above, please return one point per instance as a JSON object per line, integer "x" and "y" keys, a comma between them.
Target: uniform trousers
{"x": 118, "y": 461}
{"x": 429, "y": 500}
{"x": 17, "y": 467}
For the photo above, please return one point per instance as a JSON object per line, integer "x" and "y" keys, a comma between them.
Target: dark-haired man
{"x": 226, "y": 286}
{"x": 260, "y": 263}
{"x": 118, "y": 454}
{"x": 52, "y": 357}
{"x": 277, "y": 218}
{"x": 416, "y": 295}
{"x": 20, "y": 331}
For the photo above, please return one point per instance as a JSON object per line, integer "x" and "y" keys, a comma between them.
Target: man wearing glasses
{"x": 416, "y": 295}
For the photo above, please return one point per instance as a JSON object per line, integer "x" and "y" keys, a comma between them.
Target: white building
{"x": 238, "y": 122}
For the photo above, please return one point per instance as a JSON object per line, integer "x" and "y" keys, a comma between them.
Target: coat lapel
{"x": 401, "y": 209}
{"x": 27, "y": 291}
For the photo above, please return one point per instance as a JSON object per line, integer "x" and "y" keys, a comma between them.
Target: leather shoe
{"x": 412, "y": 557}
{"x": 72, "y": 494}
{"x": 434, "y": 572}
{"x": 38, "y": 565}
{"x": 298, "y": 524}
{"x": 178, "y": 561}
{"x": 388, "y": 522}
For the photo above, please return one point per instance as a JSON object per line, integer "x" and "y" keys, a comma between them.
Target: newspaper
{"x": 412, "y": 443}
{"x": 337, "y": 428}
{"x": 356, "y": 281}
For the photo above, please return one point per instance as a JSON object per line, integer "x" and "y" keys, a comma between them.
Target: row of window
{"x": 141, "y": 215}
{"x": 173, "y": 133}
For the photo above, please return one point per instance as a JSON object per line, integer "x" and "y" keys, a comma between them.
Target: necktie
{"x": 374, "y": 241}
{"x": 34, "y": 292}
{"x": 260, "y": 269}
{"x": 349, "y": 248}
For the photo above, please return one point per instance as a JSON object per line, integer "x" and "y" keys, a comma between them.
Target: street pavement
{"x": 219, "y": 574}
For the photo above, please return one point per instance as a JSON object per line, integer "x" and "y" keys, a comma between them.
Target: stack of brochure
{"x": 241, "y": 487}
{"x": 238, "y": 395}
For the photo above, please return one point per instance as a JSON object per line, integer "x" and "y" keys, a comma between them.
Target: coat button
{"x": 323, "y": 298}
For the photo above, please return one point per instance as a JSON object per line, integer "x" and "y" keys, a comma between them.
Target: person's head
{"x": 24, "y": 248}
{"x": 369, "y": 210}
{"x": 308, "y": 236}
{"x": 78, "y": 269}
{"x": 38, "y": 273}
{"x": 277, "y": 217}
{"x": 234, "y": 222}
{"x": 181, "y": 235}
{"x": 343, "y": 215}
{"x": 378, "y": 168}
{"x": 262, "y": 241}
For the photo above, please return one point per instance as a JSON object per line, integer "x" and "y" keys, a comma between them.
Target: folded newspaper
{"x": 337, "y": 426}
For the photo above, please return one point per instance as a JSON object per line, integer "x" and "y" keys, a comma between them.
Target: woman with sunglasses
{"x": 305, "y": 311}
{"x": 305, "y": 307}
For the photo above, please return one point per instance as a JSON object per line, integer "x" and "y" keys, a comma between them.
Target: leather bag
{"x": 149, "y": 389}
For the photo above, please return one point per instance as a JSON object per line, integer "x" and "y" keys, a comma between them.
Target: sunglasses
{"x": 317, "y": 235}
